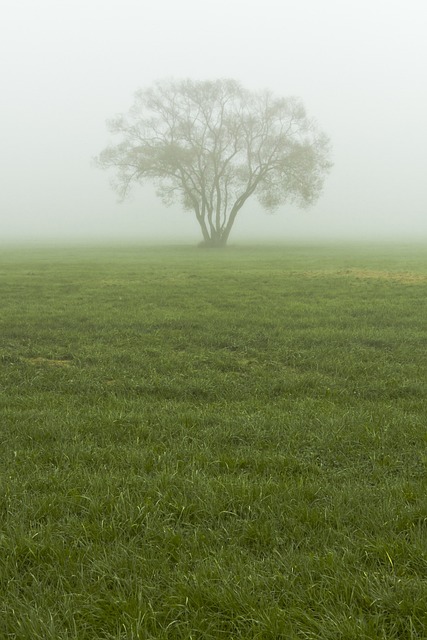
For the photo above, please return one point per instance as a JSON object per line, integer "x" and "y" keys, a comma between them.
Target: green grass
{"x": 213, "y": 444}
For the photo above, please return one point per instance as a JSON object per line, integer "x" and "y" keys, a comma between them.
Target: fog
{"x": 67, "y": 67}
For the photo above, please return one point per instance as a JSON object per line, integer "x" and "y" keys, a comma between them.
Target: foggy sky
{"x": 66, "y": 67}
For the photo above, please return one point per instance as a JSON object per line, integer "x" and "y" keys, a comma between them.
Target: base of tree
{"x": 213, "y": 244}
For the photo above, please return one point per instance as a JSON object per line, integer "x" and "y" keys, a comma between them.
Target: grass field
{"x": 202, "y": 444}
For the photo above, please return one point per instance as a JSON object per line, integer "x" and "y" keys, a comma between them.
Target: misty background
{"x": 67, "y": 67}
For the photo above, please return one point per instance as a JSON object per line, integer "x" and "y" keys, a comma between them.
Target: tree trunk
{"x": 212, "y": 238}
{"x": 215, "y": 242}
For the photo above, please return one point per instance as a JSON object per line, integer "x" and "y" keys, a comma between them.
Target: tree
{"x": 213, "y": 145}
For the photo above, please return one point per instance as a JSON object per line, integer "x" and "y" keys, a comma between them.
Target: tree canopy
{"x": 214, "y": 144}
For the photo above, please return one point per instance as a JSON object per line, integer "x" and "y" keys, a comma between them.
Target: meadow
{"x": 201, "y": 444}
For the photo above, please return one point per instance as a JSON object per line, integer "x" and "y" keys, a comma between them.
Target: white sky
{"x": 67, "y": 66}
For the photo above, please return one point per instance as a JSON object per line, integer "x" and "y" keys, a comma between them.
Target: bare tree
{"x": 212, "y": 145}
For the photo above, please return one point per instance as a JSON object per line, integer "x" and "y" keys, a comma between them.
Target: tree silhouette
{"x": 212, "y": 145}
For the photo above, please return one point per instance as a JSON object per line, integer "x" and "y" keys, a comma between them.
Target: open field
{"x": 204, "y": 444}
